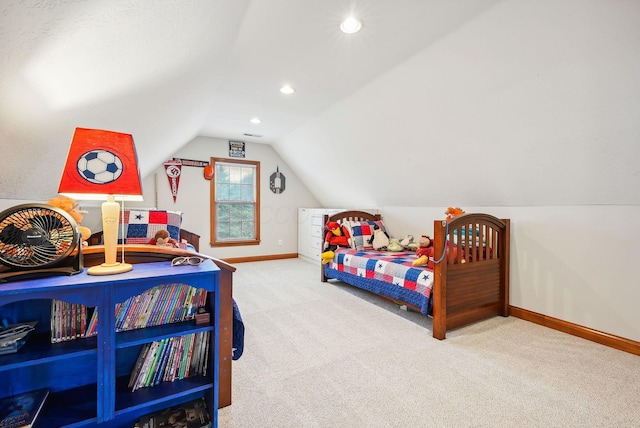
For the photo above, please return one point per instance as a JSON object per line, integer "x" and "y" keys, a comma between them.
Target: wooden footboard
{"x": 471, "y": 279}
{"x": 94, "y": 255}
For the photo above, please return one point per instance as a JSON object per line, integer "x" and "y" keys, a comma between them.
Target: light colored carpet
{"x": 330, "y": 355}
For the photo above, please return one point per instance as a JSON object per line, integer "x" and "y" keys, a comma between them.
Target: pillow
{"x": 140, "y": 225}
{"x": 361, "y": 232}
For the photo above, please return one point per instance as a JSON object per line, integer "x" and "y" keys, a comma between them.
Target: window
{"x": 235, "y": 202}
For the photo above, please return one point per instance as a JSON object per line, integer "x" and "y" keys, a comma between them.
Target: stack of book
{"x": 160, "y": 305}
{"x": 171, "y": 359}
{"x": 188, "y": 415}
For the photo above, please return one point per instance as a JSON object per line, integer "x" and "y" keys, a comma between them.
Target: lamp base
{"x": 109, "y": 268}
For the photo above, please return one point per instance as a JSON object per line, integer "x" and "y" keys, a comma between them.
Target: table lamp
{"x": 103, "y": 165}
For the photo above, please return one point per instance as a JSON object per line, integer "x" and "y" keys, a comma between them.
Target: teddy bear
{"x": 336, "y": 236}
{"x": 162, "y": 238}
{"x": 379, "y": 239}
{"x": 424, "y": 253}
{"x": 70, "y": 205}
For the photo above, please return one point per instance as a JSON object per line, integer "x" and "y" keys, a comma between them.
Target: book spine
{"x": 124, "y": 323}
{"x": 162, "y": 300}
{"x": 54, "y": 317}
{"x": 168, "y": 304}
{"x": 163, "y": 362}
{"x": 119, "y": 315}
{"x": 205, "y": 359}
{"x": 186, "y": 301}
{"x": 146, "y": 319}
{"x": 186, "y": 357}
{"x": 138, "y": 365}
{"x": 139, "y": 382}
{"x": 93, "y": 323}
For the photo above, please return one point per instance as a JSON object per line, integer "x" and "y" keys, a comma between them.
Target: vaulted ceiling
{"x": 538, "y": 98}
{"x": 167, "y": 71}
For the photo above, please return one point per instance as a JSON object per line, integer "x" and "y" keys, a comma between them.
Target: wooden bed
{"x": 134, "y": 253}
{"x": 468, "y": 288}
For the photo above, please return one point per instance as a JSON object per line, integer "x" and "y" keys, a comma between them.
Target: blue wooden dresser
{"x": 87, "y": 377}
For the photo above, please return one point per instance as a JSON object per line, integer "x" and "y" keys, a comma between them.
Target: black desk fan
{"x": 38, "y": 240}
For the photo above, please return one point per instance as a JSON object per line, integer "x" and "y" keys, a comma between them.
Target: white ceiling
{"x": 167, "y": 71}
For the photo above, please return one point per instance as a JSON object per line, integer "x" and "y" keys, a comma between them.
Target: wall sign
{"x": 191, "y": 162}
{"x": 277, "y": 181}
{"x": 236, "y": 149}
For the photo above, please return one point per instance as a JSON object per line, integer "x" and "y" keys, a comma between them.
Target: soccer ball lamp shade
{"x": 103, "y": 165}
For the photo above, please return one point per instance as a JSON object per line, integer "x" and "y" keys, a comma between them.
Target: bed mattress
{"x": 388, "y": 273}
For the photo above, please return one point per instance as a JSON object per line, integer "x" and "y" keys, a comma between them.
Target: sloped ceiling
{"x": 528, "y": 102}
{"x": 167, "y": 71}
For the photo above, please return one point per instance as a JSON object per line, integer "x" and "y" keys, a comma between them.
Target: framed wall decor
{"x": 277, "y": 181}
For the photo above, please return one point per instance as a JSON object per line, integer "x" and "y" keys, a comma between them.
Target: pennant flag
{"x": 173, "y": 169}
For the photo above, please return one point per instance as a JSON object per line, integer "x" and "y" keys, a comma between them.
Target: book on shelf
{"x": 68, "y": 321}
{"x": 21, "y": 410}
{"x": 192, "y": 414}
{"x": 170, "y": 359}
{"x": 159, "y": 305}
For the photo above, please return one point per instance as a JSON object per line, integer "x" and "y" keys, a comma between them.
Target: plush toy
{"x": 452, "y": 212}
{"x": 379, "y": 239}
{"x": 408, "y": 244}
{"x": 394, "y": 245}
{"x": 424, "y": 253}
{"x": 69, "y": 205}
{"x": 162, "y": 238}
{"x": 336, "y": 236}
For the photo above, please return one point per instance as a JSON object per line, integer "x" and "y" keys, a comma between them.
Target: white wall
{"x": 528, "y": 111}
{"x": 575, "y": 263}
{"x": 278, "y": 212}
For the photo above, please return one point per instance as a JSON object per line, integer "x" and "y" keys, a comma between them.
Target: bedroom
{"x": 526, "y": 110}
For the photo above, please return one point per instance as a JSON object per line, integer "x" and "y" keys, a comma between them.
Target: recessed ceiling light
{"x": 255, "y": 120}
{"x": 350, "y": 25}
{"x": 286, "y": 89}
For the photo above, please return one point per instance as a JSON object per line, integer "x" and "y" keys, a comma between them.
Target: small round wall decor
{"x": 276, "y": 181}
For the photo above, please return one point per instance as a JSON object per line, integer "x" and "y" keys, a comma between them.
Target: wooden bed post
{"x": 439, "y": 292}
{"x": 505, "y": 248}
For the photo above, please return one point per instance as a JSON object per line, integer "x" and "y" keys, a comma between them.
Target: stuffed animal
{"x": 69, "y": 205}
{"x": 408, "y": 244}
{"x": 162, "y": 238}
{"x": 452, "y": 212}
{"x": 394, "y": 245}
{"x": 336, "y": 236}
{"x": 424, "y": 253}
{"x": 379, "y": 239}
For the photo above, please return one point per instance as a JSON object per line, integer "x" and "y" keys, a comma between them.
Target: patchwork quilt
{"x": 140, "y": 225}
{"x": 382, "y": 272}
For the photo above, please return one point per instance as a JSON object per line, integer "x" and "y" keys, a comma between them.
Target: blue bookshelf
{"x": 87, "y": 377}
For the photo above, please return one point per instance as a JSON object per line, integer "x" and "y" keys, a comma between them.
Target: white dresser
{"x": 311, "y": 232}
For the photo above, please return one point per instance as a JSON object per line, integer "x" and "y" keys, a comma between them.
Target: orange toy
{"x": 69, "y": 205}
{"x": 452, "y": 212}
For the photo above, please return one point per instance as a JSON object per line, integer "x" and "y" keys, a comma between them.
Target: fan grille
{"x": 36, "y": 236}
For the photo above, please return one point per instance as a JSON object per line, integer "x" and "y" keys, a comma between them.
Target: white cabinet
{"x": 311, "y": 231}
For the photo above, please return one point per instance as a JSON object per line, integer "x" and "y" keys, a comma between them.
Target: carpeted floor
{"x": 329, "y": 355}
